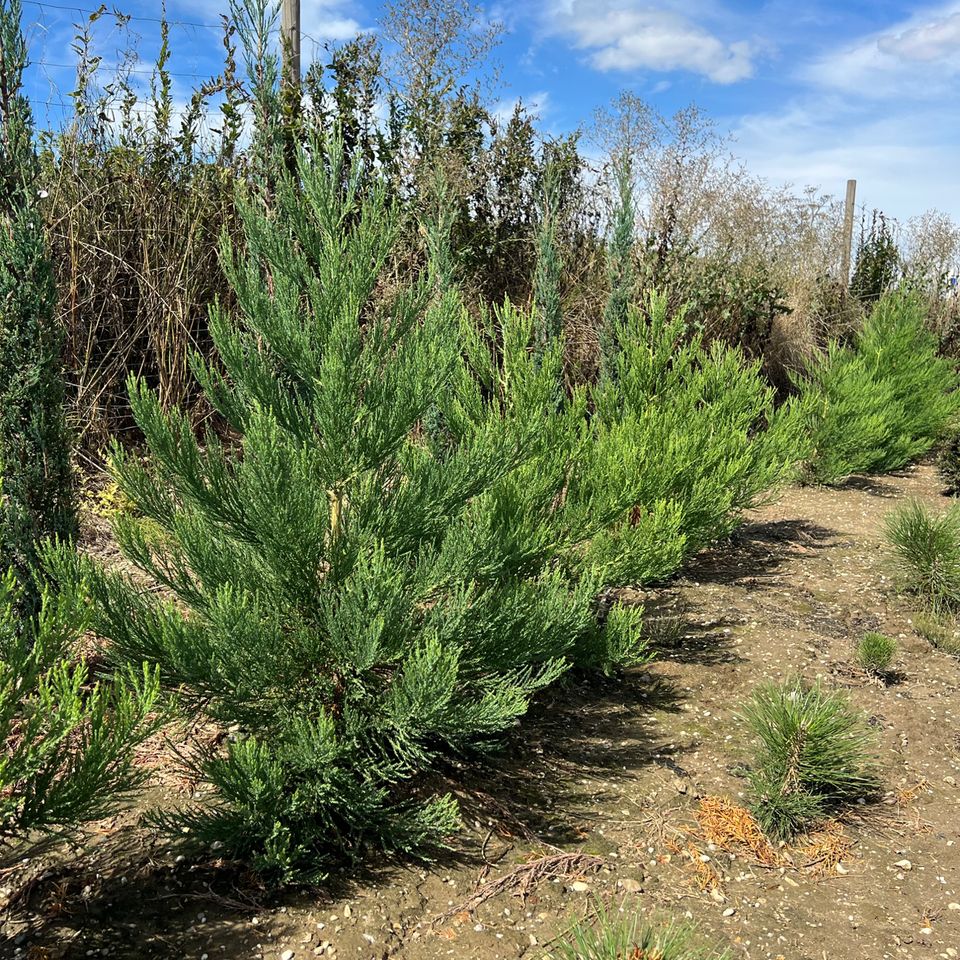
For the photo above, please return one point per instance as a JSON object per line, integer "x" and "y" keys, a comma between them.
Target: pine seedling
{"x": 814, "y": 755}
{"x": 69, "y": 739}
{"x": 926, "y": 551}
{"x": 875, "y": 653}
{"x": 623, "y": 937}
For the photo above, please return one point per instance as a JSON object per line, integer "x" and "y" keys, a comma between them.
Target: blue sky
{"x": 811, "y": 93}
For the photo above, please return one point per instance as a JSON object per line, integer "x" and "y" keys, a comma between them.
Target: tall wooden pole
{"x": 290, "y": 38}
{"x": 847, "y": 249}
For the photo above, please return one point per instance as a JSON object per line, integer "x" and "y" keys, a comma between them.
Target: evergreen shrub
{"x": 882, "y": 402}
{"x": 693, "y": 431}
{"x": 353, "y": 594}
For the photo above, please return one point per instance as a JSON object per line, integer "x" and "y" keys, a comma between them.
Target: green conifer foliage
{"x": 349, "y": 592}
{"x": 622, "y": 270}
{"x": 547, "y": 304}
{"x": 691, "y": 433}
{"x": 37, "y": 495}
{"x": 68, "y": 740}
{"x": 885, "y": 400}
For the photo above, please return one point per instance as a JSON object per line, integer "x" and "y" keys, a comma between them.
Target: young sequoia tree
{"x": 37, "y": 496}
{"x": 347, "y": 591}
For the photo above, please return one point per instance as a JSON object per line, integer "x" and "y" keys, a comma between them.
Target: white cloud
{"x": 918, "y": 58}
{"x": 901, "y": 162}
{"x": 536, "y": 104}
{"x": 626, "y": 36}
{"x": 326, "y": 22}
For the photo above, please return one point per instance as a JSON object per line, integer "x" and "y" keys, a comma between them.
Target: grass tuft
{"x": 815, "y": 754}
{"x": 611, "y": 937}
{"x": 875, "y": 653}
{"x": 940, "y": 631}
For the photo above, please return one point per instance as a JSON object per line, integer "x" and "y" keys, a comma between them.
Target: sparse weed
{"x": 940, "y": 631}
{"x": 815, "y": 753}
{"x": 875, "y": 652}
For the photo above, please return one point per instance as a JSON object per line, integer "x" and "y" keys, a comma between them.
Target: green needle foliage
{"x": 926, "y": 550}
{"x": 621, "y": 267}
{"x": 814, "y": 754}
{"x": 690, "y": 434}
{"x": 547, "y": 305}
{"x": 883, "y": 402}
{"x": 37, "y": 493}
{"x": 68, "y": 741}
{"x": 354, "y": 594}
{"x": 612, "y": 937}
{"x": 875, "y": 652}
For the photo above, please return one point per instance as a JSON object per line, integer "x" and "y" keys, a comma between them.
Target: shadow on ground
{"x": 756, "y": 551}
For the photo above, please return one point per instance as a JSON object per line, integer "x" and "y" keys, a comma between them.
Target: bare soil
{"x": 597, "y": 795}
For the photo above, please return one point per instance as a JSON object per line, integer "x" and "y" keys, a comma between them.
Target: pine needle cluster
{"x": 612, "y": 937}
{"x": 814, "y": 755}
{"x": 875, "y": 652}
{"x": 926, "y": 551}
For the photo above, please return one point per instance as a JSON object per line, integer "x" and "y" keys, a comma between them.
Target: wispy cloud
{"x": 625, "y": 36}
{"x": 537, "y": 104}
{"x": 917, "y": 58}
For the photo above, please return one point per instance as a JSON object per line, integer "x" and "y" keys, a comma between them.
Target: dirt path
{"x": 607, "y": 779}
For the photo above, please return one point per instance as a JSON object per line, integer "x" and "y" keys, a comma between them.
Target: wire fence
{"x": 58, "y": 28}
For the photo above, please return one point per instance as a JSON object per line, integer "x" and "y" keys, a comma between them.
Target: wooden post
{"x": 290, "y": 40}
{"x": 847, "y": 249}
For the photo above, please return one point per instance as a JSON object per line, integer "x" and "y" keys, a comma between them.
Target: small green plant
{"x": 68, "y": 740}
{"x": 624, "y": 937}
{"x": 940, "y": 631}
{"x": 814, "y": 754}
{"x": 875, "y": 652}
{"x": 926, "y": 549}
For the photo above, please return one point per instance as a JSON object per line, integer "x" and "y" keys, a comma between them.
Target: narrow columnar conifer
{"x": 37, "y": 493}
{"x": 621, "y": 269}
{"x": 547, "y": 304}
